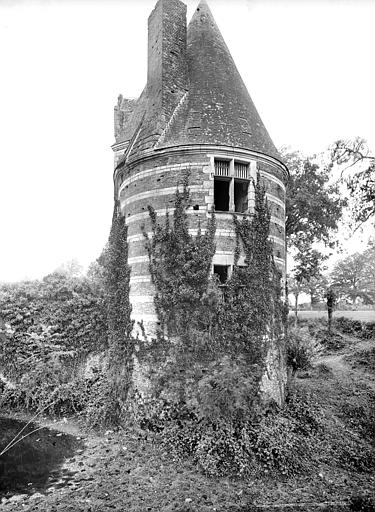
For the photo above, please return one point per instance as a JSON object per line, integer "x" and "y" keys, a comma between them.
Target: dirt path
{"x": 342, "y": 369}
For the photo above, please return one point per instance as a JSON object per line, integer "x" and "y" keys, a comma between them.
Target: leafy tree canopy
{"x": 307, "y": 274}
{"x": 313, "y": 204}
{"x": 354, "y": 276}
{"x": 357, "y": 166}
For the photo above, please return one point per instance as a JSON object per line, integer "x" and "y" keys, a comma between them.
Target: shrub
{"x": 71, "y": 309}
{"x": 365, "y": 360}
{"x": 49, "y": 327}
{"x": 303, "y": 408}
{"x": 331, "y": 341}
{"x": 360, "y": 414}
{"x": 48, "y": 385}
{"x": 365, "y": 330}
{"x": 368, "y": 330}
{"x": 302, "y": 349}
{"x": 225, "y": 450}
{"x": 318, "y": 329}
{"x": 277, "y": 446}
{"x": 354, "y": 454}
{"x": 324, "y": 370}
{"x": 228, "y": 391}
{"x": 348, "y": 326}
{"x": 285, "y": 438}
{"x": 275, "y": 441}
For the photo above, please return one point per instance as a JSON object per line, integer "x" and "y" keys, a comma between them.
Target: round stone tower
{"x": 195, "y": 115}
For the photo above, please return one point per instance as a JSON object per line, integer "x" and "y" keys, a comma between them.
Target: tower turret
{"x": 195, "y": 114}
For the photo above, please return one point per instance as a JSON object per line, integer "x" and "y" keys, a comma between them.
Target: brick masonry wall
{"x": 167, "y": 65}
{"x": 153, "y": 182}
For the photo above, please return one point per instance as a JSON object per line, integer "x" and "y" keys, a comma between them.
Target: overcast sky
{"x": 309, "y": 67}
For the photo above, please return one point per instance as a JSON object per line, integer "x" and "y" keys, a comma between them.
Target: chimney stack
{"x": 167, "y": 77}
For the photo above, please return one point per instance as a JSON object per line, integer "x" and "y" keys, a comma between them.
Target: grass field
{"x": 363, "y": 316}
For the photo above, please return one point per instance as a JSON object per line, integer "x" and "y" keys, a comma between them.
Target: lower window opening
{"x": 221, "y": 195}
{"x": 240, "y": 196}
{"x": 222, "y": 271}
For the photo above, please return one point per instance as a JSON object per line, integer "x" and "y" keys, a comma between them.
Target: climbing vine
{"x": 209, "y": 355}
{"x": 180, "y": 271}
{"x": 200, "y": 323}
{"x": 108, "y": 399}
{"x": 253, "y": 308}
{"x": 179, "y": 266}
{"x": 117, "y": 285}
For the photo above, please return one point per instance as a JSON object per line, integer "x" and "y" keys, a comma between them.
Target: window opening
{"x": 221, "y": 195}
{"x": 222, "y": 272}
{"x": 221, "y": 168}
{"x": 241, "y": 170}
{"x": 240, "y": 196}
{"x": 231, "y": 186}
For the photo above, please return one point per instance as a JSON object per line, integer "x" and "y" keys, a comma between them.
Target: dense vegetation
{"x": 49, "y": 327}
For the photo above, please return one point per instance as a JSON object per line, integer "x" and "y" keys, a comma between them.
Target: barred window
{"x": 221, "y": 168}
{"x": 241, "y": 170}
{"x": 231, "y": 186}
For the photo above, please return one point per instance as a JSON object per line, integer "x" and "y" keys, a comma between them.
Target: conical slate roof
{"x": 218, "y": 108}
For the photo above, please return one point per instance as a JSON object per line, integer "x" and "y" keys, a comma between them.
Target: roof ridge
{"x": 168, "y": 125}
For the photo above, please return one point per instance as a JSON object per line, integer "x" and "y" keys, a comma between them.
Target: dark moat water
{"x": 35, "y": 462}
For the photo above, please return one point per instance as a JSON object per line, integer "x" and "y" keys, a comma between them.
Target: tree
{"x": 313, "y": 210}
{"x": 296, "y": 287}
{"x": 369, "y": 270}
{"x": 313, "y": 205}
{"x": 308, "y": 267}
{"x": 316, "y": 288}
{"x": 358, "y": 173}
{"x": 349, "y": 278}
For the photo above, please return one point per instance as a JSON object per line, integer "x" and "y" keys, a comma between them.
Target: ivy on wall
{"x": 199, "y": 323}
{"x": 120, "y": 325}
{"x": 253, "y": 312}
{"x": 107, "y": 405}
{"x": 180, "y": 271}
{"x": 179, "y": 266}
